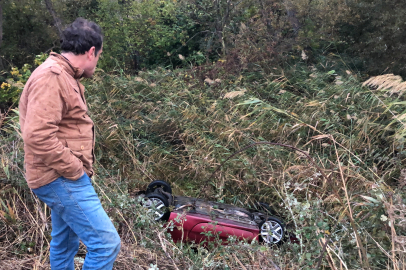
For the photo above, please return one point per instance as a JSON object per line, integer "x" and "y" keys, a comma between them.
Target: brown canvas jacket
{"x": 58, "y": 134}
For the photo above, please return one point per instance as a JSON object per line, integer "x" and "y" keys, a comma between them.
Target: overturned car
{"x": 203, "y": 221}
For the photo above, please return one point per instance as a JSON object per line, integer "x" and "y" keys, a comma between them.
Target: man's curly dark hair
{"x": 80, "y": 36}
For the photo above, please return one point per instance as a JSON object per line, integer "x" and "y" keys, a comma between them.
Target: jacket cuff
{"x": 89, "y": 173}
{"x": 76, "y": 172}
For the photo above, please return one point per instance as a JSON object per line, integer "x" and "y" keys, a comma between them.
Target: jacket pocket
{"x": 79, "y": 145}
{"x": 82, "y": 149}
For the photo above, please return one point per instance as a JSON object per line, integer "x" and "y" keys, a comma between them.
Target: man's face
{"x": 91, "y": 63}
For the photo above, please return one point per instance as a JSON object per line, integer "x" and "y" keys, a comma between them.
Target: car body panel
{"x": 199, "y": 227}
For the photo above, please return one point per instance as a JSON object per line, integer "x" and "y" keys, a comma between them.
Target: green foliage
{"x": 375, "y": 32}
{"x": 142, "y": 33}
{"x": 11, "y": 87}
{"x": 40, "y": 58}
{"x": 12, "y": 83}
{"x": 245, "y": 34}
{"x": 26, "y": 31}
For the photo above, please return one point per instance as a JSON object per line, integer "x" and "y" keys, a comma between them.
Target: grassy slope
{"x": 171, "y": 125}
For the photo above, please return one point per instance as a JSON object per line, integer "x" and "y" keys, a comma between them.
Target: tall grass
{"x": 348, "y": 211}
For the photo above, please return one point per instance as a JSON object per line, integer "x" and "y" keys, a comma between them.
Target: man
{"x": 59, "y": 150}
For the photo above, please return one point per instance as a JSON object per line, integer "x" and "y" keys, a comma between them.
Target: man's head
{"x": 82, "y": 44}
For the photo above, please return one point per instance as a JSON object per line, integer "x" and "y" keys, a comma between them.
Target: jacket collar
{"x": 75, "y": 72}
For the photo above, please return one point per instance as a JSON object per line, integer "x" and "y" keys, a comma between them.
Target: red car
{"x": 198, "y": 220}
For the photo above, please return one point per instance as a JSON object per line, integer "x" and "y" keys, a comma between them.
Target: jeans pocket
{"x": 74, "y": 185}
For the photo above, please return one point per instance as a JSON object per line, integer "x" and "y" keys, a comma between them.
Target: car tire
{"x": 159, "y": 184}
{"x": 276, "y": 227}
{"x": 158, "y": 203}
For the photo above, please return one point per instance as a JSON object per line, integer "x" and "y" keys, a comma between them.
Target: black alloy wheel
{"x": 158, "y": 204}
{"x": 272, "y": 231}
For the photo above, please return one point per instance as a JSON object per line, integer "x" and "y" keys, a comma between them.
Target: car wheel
{"x": 157, "y": 203}
{"x": 272, "y": 231}
{"x": 159, "y": 184}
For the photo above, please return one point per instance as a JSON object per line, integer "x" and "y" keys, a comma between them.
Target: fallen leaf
{"x": 138, "y": 79}
{"x": 209, "y": 81}
{"x": 304, "y": 56}
{"x": 234, "y": 94}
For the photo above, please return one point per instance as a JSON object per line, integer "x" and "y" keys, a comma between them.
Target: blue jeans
{"x": 78, "y": 214}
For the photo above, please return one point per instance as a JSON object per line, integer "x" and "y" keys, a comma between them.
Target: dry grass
{"x": 393, "y": 83}
{"x": 342, "y": 201}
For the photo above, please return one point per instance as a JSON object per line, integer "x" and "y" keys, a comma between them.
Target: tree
{"x": 26, "y": 31}
{"x": 57, "y": 20}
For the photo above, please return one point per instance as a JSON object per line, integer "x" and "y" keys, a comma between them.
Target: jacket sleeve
{"x": 45, "y": 109}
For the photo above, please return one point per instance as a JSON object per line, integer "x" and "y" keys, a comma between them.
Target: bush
{"x": 142, "y": 34}
{"x": 12, "y": 87}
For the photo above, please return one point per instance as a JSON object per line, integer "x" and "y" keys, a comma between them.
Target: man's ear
{"x": 92, "y": 52}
